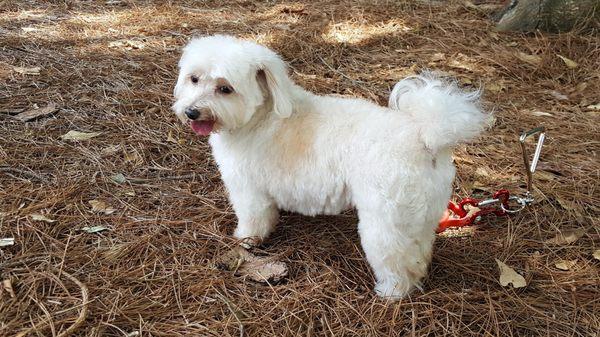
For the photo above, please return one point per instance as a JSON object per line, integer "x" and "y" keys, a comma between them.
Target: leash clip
{"x": 470, "y": 211}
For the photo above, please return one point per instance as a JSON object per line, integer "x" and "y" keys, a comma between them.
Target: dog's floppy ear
{"x": 279, "y": 85}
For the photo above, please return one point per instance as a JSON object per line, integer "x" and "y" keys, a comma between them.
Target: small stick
{"x": 144, "y": 180}
{"x": 25, "y": 173}
{"x": 82, "y": 314}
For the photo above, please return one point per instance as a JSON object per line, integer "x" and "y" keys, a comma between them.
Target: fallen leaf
{"x": 127, "y": 44}
{"x": 29, "y": 29}
{"x": 110, "y": 150}
{"x": 94, "y": 229}
{"x": 495, "y": 87}
{"x": 41, "y": 217}
{"x": 171, "y": 139}
{"x": 118, "y": 178}
{"x": 558, "y": 95}
{"x": 565, "y": 264}
{"x": 27, "y": 71}
{"x": 458, "y": 232}
{"x": 101, "y": 207}
{"x": 579, "y": 88}
{"x": 257, "y": 268}
{"x": 76, "y": 135}
{"x": 570, "y": 63}
{"x": 35, "y": 113}
{"x": 593, "y": 107}
{"x": 7, "y": 242}
{"x": 482, "y": 172}
{"x": 7, "y": 286}
{"x": 529, "y": 58}
{"x": 544, "y": 175}
{"x": 478, "y": 185}
{"x": 596, "y": 254}
{"x": 134, "y": 158}
{"x": 567, "y": 237}
{"x": 568, "y": 205}
{"x": 542, "y": 114}
{"x": 509, "y": 275}
{"x": 438, "y": 57}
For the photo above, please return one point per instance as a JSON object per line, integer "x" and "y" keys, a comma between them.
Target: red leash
{"x": 470, "y": 211}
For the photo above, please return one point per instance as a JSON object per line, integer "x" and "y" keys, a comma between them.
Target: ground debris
{"x": 256, "y": 268}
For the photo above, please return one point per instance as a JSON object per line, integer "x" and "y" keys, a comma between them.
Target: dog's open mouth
{"x": 203, "y": 128}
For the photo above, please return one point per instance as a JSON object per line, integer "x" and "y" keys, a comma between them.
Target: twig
{"x": 23, "y": 172}
{"x": 82, "y": 314}
{"x": 145, "y": 180}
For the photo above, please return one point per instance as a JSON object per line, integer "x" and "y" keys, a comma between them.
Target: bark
{"x": 550, "y": 15}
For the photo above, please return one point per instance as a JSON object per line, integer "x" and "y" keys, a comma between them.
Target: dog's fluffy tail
{"x": 445, "y": 114}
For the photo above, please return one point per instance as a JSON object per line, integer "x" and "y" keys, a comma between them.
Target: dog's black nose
{"x": 192, "y": 113}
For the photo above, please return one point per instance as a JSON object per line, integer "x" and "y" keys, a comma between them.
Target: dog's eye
{"x": 225, "y": 89}
{"x": 194, "y": 79}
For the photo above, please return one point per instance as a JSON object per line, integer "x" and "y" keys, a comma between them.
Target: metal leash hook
{"x": 470, "y": 211}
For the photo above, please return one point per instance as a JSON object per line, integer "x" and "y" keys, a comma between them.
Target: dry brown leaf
{"x": 495, "y": 87}
{"x": 596, "y": 254}
{"x": 7, "y": 286}
{"x": 127, "y": 44}
{"x": 570, "y": 63}
{"x": 565, "y": 264}
{"x": 559, "y": 96}
{"x": 567, "y": 237}
{"x": 257, "y": 268}
{"x": 100, "y": 206}
{"x": 27, "y": 71}
{"x": 482, "y": 172}
{"x": 458, "y": 232}
{"x": 529, "y": 58}
{"x": 41, "y": 217}
{"x": 35, "y": 113}
{"x": 134, "y": 158}
{"x": 478, "y": 185}
{"x": 171, "y": 139}
{"x": 568, "y": 205}
{"x": 542, "y": 114}
{"x": 509, "y": 275}
{"x": 544, "y": 175}
{"x": 107, "y": 151}
{"x": 438, "y": 57}
{"x": 76, "y": 135}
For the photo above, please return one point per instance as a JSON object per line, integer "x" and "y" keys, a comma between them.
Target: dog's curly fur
{"x": 280, "y": 147}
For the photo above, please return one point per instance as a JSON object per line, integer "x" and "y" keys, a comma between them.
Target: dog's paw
{"x": 391, "y": 290}
{"x": 250, "y": 242}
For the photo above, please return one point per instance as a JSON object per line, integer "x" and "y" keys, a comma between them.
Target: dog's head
{"x": 223, "y": 81}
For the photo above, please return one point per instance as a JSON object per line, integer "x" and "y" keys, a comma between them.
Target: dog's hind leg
{"x": 399, "y": 253}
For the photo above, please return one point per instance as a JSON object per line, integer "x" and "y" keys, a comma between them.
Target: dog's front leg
{"x": 257, "y": 215}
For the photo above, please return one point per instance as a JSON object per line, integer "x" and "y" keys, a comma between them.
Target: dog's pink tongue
{"x": 203, "y": 128}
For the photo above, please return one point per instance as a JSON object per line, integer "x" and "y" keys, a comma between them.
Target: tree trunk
{"x": 550, "y": 15}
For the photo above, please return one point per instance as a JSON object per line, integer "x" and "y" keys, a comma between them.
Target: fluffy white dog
{"x": 280, "y": 147}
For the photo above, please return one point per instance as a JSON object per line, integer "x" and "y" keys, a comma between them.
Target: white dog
{"x": 280, "y": 147}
